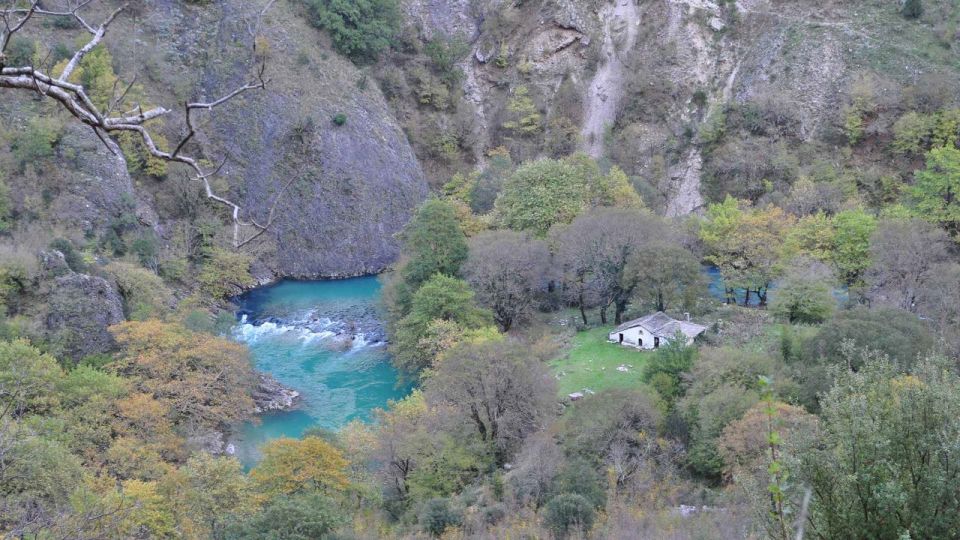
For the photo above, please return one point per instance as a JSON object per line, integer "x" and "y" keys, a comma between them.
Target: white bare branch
{"x": 73, "y": 97}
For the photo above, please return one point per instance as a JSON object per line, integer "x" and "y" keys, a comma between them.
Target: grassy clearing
{"x": 592, "y": 362}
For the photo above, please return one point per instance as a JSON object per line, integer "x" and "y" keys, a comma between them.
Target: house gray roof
{"x": 662, "y": 325}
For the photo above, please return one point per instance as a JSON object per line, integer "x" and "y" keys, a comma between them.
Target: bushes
{"x": 144, "y": 294}
{"x": 569, "y": 513}
{"x": 73, "y": 257}
{"x": 300, "y": 517}
{"x": 911, "y": 9}
{"x": 37, "y": 142}
{"x": 546, "y": 192}
{"x": 360, "y": 29}
{"x": 437, "y": 515}
{"x": 6, "y": 206}
{"x": 225, "y": 274}
{"x": 20, "y": 52}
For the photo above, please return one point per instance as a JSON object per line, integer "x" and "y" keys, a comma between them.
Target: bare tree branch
{"x": 73, "y": 97}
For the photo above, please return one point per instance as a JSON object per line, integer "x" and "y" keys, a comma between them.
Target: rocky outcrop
{"x": 80, "y": 308}
{"x": 344, "y": 188}
{"x": 270, "y": 395}
{"x": 445, "y": 18}
{"x": 97, "y": 190}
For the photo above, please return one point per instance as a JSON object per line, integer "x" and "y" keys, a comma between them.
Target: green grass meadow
{"x": 592, "y": 362}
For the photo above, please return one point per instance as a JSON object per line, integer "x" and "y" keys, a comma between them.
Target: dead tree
{"x": 108, "y": 121}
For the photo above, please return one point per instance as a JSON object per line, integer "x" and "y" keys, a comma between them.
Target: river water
{"x": 323, "y": 339}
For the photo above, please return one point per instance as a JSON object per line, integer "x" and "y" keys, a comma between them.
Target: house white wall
{"x": 635, "y": 337}
{"x": 639, "y": 338}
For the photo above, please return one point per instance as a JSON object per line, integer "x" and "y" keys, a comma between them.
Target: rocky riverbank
{"x": 270, "y": 395}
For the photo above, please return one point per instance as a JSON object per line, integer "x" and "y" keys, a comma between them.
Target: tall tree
{"x": 442, "y": 298}
{"x": 851, "y": 245}
{"x": 433, "y": 243}
{"x": 905, "y": 254}
{"x": 885, "y": 465}
{"x": 307, "y": 465}
{"x": 499, "y": 387}
{"x": 666, "y": 273}
{"x": 594, "y": 253}
{"x": 547, "y": 192}
{"x": 746, "y": 244}
{"x": 508, "y": 271}
{"x": 936, "y": 192}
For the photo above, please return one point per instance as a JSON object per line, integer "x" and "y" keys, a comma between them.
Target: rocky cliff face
{"x": 344, "y": 188}
{"x": 652, "y": 85}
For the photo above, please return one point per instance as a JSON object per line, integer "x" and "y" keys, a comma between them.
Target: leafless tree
{"x": 507, "y": 270}
{"x": 905, "y": 254}
{"x": 112, "y": 120}
{"x": 594, "y": 252}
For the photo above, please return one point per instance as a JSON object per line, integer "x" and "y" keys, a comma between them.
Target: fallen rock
{"x": 80, "y": 309}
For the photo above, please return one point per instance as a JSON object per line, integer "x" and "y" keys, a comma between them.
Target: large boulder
{"x": 80, "y": 308}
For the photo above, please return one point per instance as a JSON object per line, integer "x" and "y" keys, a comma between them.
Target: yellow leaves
{"x": 150, "y": 511}
{"x": 296, "y": 466}
{"x": 225, "y": 274}
{"x": 202, "y": 378}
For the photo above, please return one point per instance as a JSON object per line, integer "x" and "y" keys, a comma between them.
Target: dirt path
{"x": 621, "y": 19}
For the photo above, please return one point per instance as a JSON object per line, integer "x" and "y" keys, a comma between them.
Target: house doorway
{"x": 621, "y": 339}
{"x": 656, "y": 342}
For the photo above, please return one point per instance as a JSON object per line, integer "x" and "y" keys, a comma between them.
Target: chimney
{"x": 686, "y": 315}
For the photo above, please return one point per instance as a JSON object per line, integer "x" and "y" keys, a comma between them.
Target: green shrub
{"x": 6, "y": 205}
{"x": 145, "y": 248}
{"x": 911, "y": 9}
{"x": 73, "y": 257}
{"x": 225, "y": 274}
{"x": 360, "y": 29}
{"x": 340, "y": 119}
{"x": 144, "y": 294}
{"x": 37, "y": 141}
{"x": 568, "y": 513}
{"x": 444, "y": 54}
{"x": 291, "y": 517}
{"x": 20, "y": 52}
{"x": 437, "y": 516}
{"x": 666, "y": 365}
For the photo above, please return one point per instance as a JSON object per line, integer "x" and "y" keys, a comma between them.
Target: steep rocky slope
{"x": 665, "y": 88}
{"x": 351, "y": 185}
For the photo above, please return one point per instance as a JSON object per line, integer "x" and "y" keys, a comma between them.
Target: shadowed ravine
{"x": 323, "y": 339}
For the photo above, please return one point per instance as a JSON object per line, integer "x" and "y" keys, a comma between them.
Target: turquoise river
{"x": 323, "y": 339}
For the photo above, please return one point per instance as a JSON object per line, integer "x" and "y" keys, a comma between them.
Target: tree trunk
{"x": 660, "y": 304}
{"x": 583, "y": 311}
{"x": 763, "y": 296}
{"x": 746, "y": 298}
{"x": 603, "y": 315}
{"x": 621, "y": 308}
{"x": 730, "y": 297}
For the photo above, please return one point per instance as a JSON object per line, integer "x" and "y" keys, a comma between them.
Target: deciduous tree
{"x": 508, "y": 271}
{"x": 499, "y": 387}
{"x": 205, "y": 380}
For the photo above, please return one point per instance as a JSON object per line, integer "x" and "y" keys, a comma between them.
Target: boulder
{"x": 270, "y": 395}
{"x": 80, "y": 308}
